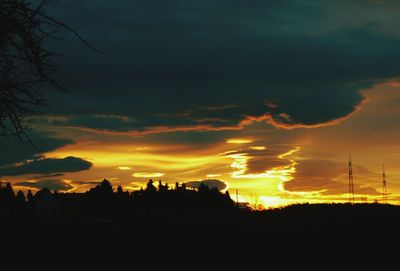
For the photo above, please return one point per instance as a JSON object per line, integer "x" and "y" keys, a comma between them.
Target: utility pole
{"x": 384, "y": 191}
{"x": 351, "y": 182}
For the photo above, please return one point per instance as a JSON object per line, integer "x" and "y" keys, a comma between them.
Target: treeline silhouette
{"x": 159, "y": 211}
{"x": 104, "y": 204}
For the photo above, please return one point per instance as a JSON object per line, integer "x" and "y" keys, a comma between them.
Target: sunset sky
{"x": 265, "y": 97}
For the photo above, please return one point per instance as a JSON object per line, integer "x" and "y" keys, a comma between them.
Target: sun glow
{"x": 177, "y": 163}
{"x": 269, "y": 182}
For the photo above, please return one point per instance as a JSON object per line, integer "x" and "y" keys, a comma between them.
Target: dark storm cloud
{"x": 210, "y": 63}
{"x": 46, "y": 166}
{"x": 52, "y": 184}
{"x": 220, "y": 185}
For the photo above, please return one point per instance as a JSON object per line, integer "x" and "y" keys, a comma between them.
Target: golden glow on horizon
{"x": 130, "y": 188}
{"x": 152, "y": 164}
{"x": 123, "y": 158}
{"x": 269, "y": 182}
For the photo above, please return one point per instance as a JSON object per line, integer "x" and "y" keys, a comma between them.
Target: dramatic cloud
{"x": 182, "y": 66}
{"x": 47, "y": 166}
{"x": 220, "y": 185}
{"x": 212, "y": 89}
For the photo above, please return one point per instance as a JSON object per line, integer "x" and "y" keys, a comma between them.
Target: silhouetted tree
{"x": 180, "y": 187}
{"x": 20, "y": 197}
{"x": 7, "y": 194}
{"x": 203, "y": 188}
{"x": 106, "y": 187}
{"x": 26, "y": 64}
{"x": 150, "y": 188}
{"x": 120, "y": 191}
{"x": 162, "y": 188}
{"x": 30, "y": 196}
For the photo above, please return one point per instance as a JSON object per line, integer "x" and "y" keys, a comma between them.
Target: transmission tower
{"x": 351, "y": 182}
{"x": 384, "y": 191}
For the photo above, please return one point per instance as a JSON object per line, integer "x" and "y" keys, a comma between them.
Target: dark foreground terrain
{"x": 179, "y": 220}
{"x": 310, "y": 219}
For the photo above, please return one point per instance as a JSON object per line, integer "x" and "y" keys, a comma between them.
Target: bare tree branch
{"x": 26, "y": 65}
